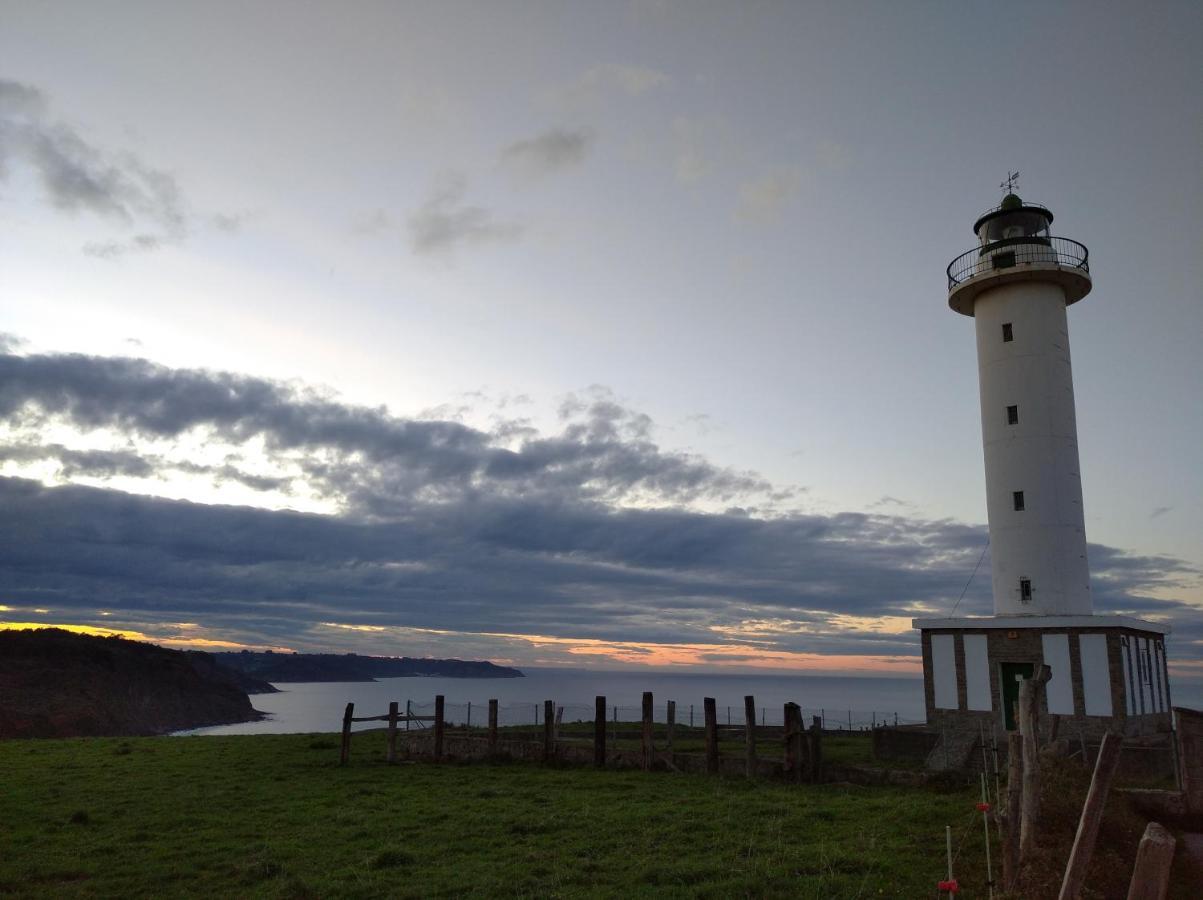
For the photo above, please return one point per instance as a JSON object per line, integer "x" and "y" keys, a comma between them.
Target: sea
{"x": 841, "y": 702}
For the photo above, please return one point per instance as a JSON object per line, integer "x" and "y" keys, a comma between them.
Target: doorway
{"x": 1010, "y": 675}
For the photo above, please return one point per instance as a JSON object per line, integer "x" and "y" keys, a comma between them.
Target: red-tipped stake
{"x": 984, "y": 807}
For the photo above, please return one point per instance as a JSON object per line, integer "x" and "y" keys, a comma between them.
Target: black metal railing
{"x": 1017, "y": 252}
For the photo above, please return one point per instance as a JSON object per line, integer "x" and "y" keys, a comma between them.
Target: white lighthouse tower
{"x": 1108, "y": 672}
{"x": 1017, "y": 285}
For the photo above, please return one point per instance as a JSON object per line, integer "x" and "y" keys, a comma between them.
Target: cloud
{"x": 612, "y": 78}
{"x": 80, "y": 177}
{"x": 548, "y": 152}
{"x": 462, "y": 541}
{"x": 445, "y": 223}
{"x": 370, "y": 222}
{"x": 763, "y": 199}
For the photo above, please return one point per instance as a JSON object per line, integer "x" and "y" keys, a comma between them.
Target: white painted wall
{"x": 1129, "y": 667}
{"x": 1060, "y": 689}
{"x": 944, "y": 671}
{"x": 1039, "y": 455}
{"x": 977, "y": 672}
{"x": 1096, "y": 677}
{"x": 1159, "y": 687}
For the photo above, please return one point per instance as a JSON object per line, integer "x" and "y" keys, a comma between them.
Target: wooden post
{"x": 492, "y": 739}
{"x": 409, "y": 711}
{"x": 549, "y": 734}
{"x": 391, "y": 756}
{"x": 599, "y": 732}
{"x": 672, "y": 724}
{"x": 345, "y": 753}
{"x": 1010, "y": 858}
{"x": 645, "y": 738}
{"x": 793, "y": 741}
{"x": 1092, "y": 815}
{"x": 691, "y": 715}
{"x": 750, "y": 736}
{"x": 438, "y": 727}
{"x": 816, "y": 749}
{"x": 559, "y": 719}
{"x": 711, "y": 714}
{"x": 1030, "y": 691}
{"x": 1151, "y": 876}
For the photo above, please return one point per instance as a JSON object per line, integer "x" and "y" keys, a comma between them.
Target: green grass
{"x": 275, "y": 816}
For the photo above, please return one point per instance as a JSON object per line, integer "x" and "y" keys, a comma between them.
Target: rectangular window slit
{"x": 1025, "y": 590}
{"x": 1012, "y": 415}
{"x": 1008, "y": 335}
{"x": 1017, "y": 498}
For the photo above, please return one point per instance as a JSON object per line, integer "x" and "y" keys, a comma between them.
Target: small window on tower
{"x": 1007, "y": 334}
{"x": 1017, "y": 497}
{"x": 1012, "y": 415}
{"x": 1025, "y": 590}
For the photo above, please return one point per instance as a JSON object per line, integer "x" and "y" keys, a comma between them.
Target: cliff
{"x": 57, "y": 684}
{"x": 283, "y": 667}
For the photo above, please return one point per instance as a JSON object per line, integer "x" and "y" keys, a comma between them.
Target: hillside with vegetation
{"x": 54, "y": 683}
{"x": 297, "y": 667}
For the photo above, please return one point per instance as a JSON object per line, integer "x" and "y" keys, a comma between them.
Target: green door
{"x": 1012, "y": 674}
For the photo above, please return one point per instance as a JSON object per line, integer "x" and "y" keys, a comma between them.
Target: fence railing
{"x": 553, "y": 729}
{"x": 1009, "y": 253}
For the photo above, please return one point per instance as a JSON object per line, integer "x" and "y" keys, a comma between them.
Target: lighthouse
{"x": 1108, "y": 672}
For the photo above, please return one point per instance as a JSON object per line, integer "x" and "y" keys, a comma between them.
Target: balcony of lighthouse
{"x": 1014, "y": 244}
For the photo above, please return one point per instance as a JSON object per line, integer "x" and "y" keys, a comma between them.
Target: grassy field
{"x": 274, "y": 816}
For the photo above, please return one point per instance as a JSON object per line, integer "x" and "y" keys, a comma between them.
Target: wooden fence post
{"x": 793, "y": 741}
{"x": 1010, "y": 858}
{"x": 750, "y": 736}
{"x": 711, "y": 714}
{"x": 438, "y": 727}
{"x": 345, "y": 753}
{"x": 816, "y": 749}
{"x": 409, "y": 711}
{"x": 645, "y": 737}
{"x": 492, "y": 727}
{"x": 671, "y": 715}
{"x": 599, "y": 732}
{"x": 1030, "y": 691}
{"x": 1092, "y": 815}
{"x": 1151, "y": 875}
{"x": 391, "y": 756}
{"x": 549, "y": 734}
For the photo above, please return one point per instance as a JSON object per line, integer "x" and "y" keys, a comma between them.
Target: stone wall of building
{"x": 1025, "y": 645}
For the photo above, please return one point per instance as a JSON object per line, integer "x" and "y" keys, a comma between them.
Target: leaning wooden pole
{"x": 1151, "y": 876}
{"x": 1092, "y": 816}
{"x": 549, "y": 729}
{"x": 1030, "y": 692}
{"x": 1010, "y": 858}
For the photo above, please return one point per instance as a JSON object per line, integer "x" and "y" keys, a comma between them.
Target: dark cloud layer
{"x": 593, "y": 532}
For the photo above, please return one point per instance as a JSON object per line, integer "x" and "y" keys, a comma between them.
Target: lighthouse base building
{"x": 1108, "y": 672}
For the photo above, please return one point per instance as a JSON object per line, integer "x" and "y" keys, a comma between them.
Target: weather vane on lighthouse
{"x": 1011, "y": 183}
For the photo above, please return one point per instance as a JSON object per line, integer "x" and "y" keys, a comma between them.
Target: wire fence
{"x": 688, "y": 715}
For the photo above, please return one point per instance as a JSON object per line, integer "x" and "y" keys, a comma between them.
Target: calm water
{"x": 319, "y": 706}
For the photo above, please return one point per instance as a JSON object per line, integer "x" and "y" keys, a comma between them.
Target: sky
{"x": 574, "y": 333}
